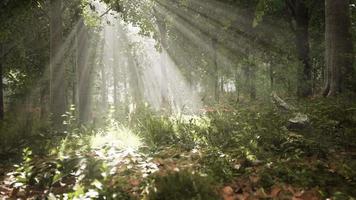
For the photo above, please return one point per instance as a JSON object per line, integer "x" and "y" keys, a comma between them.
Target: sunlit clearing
{"x": 118, "y": 137}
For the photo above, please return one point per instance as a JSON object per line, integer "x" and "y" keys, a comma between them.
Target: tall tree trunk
{"x": 43, "y": 100}
{"x": 237, "y": 84}
{"x": 250, "y": 77}
{"x": 1, "y": 82}
{"x": 124, "y": 77}
{"x": 271, "y": 76}
{"x": 300, "y": 15}
{"x": 216, "y": 68}
{"x": 74, "y": 77}
{"x": 162, "y": 26}
{"x": 115, "y": 68}
{"x": 83, "y": 73}
{"x": 339, "y": 48}
{"x": 104, "y": 87}
{"x": 134, "y": 77}
{"x": 57, "y": 70}
{"x": 135, "y": 85}
{"x": 252, "y": 82}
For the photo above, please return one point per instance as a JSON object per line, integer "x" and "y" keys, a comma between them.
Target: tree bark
{"x": 214, "y": 50}
{"x": 271, "y": 76}
{"x": 83, "y": 74}
{"x": 104, "y": 87}
{"x": 57, "y": 70}
{"x": 1, "y": 82}
{"x": 162, "y": 26}
{"x": 300, "y": 15}
{"x": 115, "y": 68}
{"x": 339, "y": 48}
{"x": 252, "y": 80}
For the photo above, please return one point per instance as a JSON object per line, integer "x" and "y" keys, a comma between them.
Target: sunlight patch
{"x": 116, "y": 136}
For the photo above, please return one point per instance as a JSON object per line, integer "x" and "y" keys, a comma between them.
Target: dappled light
{"x": 119, "y": 137}
{"x": 177, "y": 99}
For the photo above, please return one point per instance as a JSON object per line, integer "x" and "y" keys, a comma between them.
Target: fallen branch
{"x": 280, "y": 103}
{"x": 300, "y": 121}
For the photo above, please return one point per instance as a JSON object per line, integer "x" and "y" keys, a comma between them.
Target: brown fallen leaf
{"x": 134, "y": 182}
{"x": 254, "y": 178}
{"x": 228, "y": 191}
{"x": 275, "y": 191}
{"x": 243, "y": 196}
{"x": 229, "y": 198}
{"x": 308, "y": 195}
{"x": 296, "y": 198}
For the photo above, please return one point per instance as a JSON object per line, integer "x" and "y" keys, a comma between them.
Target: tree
{"x": 115, "y": 66}
{"x": 300, "y": 14}
{"x": 163, "y": 37}
{"x": 57, "y": 70}
{"x": 1, "y": 82}
{"x": 83, "y": 73}
{"x": 339, "y": 48}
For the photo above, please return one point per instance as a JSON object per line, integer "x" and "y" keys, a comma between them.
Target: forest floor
{"x": 230, "y": 152}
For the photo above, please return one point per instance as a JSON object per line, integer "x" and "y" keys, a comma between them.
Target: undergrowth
{"x": 246, "y": 148}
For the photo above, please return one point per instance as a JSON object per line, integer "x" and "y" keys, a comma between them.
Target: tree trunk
{"x": 83, "y": 74}
{"x": 300, "y": 14}
{"x": 271, "y": 76}
{"x": 216, "y": 69}
{"x": 237, "y": 84}
{"x": 339, "y": 48}
{"x": 252, "y": 84}
{"x": 115, "y": 68}
{"x": 74, "y": 77}
{"x": 43, "y": 100}
{"x": 135, "y": 85}
{"x": 104, "y": 87}
{"x": 57, "y": 70}
{"x": 162, "y": 26}
{"x": 1, "y": 82}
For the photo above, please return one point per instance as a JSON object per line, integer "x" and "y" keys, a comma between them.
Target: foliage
{"x": 181, "y": 185}
{"x": 229, "y": 54}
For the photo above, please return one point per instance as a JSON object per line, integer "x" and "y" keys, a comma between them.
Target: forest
{"x": 178, "y": 99}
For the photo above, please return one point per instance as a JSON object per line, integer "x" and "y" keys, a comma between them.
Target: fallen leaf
{"x": 228, "y": 191}
{"x": 134, "y": 182}
{"x": 254, "y": 178}
{"x": 275, "y": 191}
{"x": 243, "y": 196}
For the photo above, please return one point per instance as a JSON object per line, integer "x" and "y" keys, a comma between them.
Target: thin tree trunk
{"x": 124, "y": 77}
{"x": 74, "y": 78}
{"x": 222, "y": 90}
{"x": 115, "y": 68}
{"x": 57, "y": 70}
{"x": 237, "y": 85}
{"x": 83, "y": 74}
{"x": 104, "y": 87}
{"x": 1, "y": 82}
{"x": 162, "y": 26}
{"x": 252, "y": 84}
{"x": 43, "y": 102}
{"x": 216, "y": 69}
{"x": 271, "y": 76}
